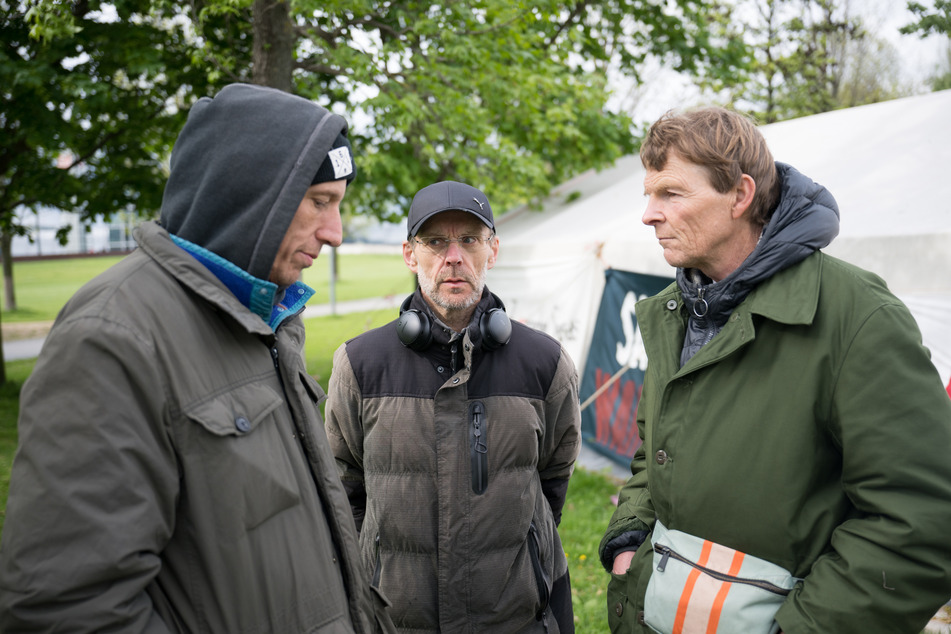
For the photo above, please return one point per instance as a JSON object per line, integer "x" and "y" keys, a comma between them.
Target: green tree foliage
{"x": 813, "y": 56}
{"x": 934, "y": 21}
{"x": 509, "y": 96}
{"x": 87, "y": 116}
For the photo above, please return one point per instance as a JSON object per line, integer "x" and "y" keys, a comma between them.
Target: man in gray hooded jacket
{"x": 173, "y": 474}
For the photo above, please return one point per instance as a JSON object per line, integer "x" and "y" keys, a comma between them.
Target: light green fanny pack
{"x": 701, "y": 587}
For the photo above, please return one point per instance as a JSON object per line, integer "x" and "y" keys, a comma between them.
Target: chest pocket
{"x": 314, "y": 391}
{"x": 242, "y": 459}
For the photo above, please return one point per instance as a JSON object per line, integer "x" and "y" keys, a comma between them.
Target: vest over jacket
{"x": 445, "y": 453}
{"x": 173, "y": 473}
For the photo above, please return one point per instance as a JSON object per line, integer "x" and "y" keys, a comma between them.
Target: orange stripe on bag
{"x": 688, "y": 588}
{"x": 717, "y": 609}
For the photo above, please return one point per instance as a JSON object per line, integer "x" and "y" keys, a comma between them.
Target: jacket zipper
{"x": 277, "y": 369}
{"x": 478, "y": 450}
{"x": 542, "y": 582}
{"x": 378, "y": 567}
{"x": 758, "y": 583}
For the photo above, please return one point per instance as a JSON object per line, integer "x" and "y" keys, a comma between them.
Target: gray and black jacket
{"x": 456, "y": 459}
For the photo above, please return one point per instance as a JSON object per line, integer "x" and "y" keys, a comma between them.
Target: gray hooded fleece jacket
{"x": 173, "y": 474}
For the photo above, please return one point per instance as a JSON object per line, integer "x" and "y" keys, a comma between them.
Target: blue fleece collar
{"x": 256, "y": 294}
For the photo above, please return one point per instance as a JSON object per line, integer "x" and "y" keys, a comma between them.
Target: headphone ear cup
{"x": 414, "y": 330}
{"x": 496, "y": 329}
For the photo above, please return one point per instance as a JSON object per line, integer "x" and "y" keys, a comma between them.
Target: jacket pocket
{"x": 235, "y": 413}
{"x": 314, "y": 391}
{"x": 699, "y": 583}
{"x": 234, "y": 446}
{"x": 542, "y": 578}
{"x": 478, "y": 449}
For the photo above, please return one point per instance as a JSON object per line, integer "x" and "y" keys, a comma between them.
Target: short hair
{"x": 723, "y": 142}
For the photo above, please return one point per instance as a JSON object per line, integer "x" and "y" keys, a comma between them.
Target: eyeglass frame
{"x": 482, "y": 240}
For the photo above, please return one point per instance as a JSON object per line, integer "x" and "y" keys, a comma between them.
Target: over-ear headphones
{"x": 415, "y": 329}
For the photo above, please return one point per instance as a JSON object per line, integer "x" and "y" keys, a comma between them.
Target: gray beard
{"x": 428, "y": 286}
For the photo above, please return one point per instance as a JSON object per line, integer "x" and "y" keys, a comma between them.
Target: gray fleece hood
{"x": 240, "y": 169}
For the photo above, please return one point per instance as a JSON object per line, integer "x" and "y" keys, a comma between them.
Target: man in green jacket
{"x": 795, "y": 431}
{"x": 173, "y": 474}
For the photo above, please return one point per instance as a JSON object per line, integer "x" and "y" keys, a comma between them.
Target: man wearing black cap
{"x": 173, "y": 474}
{"x": 455, "y": 432}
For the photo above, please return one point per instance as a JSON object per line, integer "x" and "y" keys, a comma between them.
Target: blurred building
{"x": 101, "y": 237}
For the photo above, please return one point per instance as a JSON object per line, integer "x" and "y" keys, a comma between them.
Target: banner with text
{"x": 608, "y": 424}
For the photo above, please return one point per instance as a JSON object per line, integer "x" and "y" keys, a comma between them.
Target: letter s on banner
{"x": 631, "y": 352}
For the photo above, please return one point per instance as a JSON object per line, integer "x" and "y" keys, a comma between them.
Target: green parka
{"x": 813, "y": 432}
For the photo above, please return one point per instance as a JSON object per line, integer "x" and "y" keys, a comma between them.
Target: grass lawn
{"x": 588, "y": 508}
{"x": 43, "y": 287}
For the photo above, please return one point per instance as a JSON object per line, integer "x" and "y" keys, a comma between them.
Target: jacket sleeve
{"x": 562, "y": 439}
{"x": 93, "y": 486}
{"x": 344, "y": 425}
{"x": 889, "y": 566}
{"x": 634, "y": 515}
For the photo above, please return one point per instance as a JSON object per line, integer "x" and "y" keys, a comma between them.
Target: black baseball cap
{"x": 447, "y": 196}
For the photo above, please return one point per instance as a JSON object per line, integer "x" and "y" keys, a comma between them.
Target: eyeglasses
{"x": 438, "y": 245}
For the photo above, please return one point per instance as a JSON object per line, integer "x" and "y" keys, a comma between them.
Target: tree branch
{"x": 581, "y": 6}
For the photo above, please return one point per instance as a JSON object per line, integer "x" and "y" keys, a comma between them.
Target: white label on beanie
{"x": 340, "y": 158}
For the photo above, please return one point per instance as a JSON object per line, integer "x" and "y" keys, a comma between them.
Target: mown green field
{"x": 43, "y": 286}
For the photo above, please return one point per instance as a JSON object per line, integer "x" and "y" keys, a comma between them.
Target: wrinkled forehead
{"x": 453, "y": 222}
{"x": 678, "y": 173}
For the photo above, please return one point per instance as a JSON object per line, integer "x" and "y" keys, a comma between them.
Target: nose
{"x": 652, "y": 214}
{"x": 330, "y": 231}
{"x": 454, "y": 253}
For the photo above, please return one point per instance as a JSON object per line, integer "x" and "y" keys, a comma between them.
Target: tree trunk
{"x": 3, "y": 362}
{"x": 274, "y": 43}
{"x": 9, "y": 296}
{"x": 5, "y": 239}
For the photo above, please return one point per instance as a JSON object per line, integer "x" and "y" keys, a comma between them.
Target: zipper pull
{"x": 477, "y": 428}
{"x": 663, "y": 560}
{"x": 700, "y": 306}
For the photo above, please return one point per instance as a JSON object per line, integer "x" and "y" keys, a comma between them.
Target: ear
{"x": 744, "y": 195}
{"x": 409, "y": 256}
{"x": 493, "y": 253}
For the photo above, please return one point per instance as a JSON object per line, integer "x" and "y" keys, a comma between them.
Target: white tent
{"x": 888, "y": 166}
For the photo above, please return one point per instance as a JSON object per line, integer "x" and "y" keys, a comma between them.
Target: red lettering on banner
{"x": 618, "y": 402}
{"x": 603, "y": 405}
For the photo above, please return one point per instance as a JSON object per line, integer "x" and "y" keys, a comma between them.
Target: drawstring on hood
{"x": 240, "y": 169}
{"x": 806, "y": 219}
